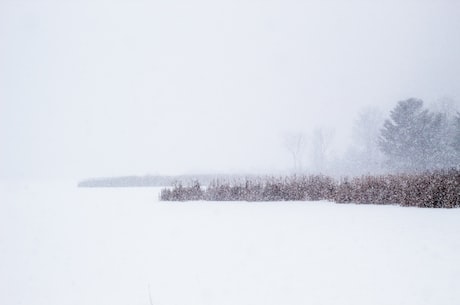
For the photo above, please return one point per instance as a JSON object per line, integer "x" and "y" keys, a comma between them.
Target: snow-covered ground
{"x": 60, "y": 245}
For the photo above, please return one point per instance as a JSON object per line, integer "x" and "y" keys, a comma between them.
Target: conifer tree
{"x": 412, "y": 138}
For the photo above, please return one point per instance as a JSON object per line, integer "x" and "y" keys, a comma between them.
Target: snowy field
{"x": 60, "y": 245}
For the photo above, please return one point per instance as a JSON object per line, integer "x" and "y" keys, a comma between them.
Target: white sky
{"x": 97, "y": 88}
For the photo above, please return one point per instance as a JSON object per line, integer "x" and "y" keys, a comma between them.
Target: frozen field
{"x": 60, "y": 245}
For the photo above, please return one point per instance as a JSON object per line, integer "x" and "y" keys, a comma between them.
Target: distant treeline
{"x": 438, "y": 189}
{"x": 151, "y": 180}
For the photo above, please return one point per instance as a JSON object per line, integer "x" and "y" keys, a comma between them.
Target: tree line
{"x": 412, "y": 138}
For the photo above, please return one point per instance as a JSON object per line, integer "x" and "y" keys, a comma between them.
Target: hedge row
{"x": 440, "y": 189}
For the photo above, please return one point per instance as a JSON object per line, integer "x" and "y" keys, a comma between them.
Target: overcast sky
{"x": 100, "y": 88}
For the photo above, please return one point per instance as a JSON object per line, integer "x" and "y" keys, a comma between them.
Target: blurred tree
{"x": 397, "y": 138}
{"x": 365, "y": 149}
{"x": 456, "y": 134}
{"x": 449, "y": 135}
{"x": 295, "y": 143}
{"x": 414, "y": 139}
{"x": 321, "y": 142}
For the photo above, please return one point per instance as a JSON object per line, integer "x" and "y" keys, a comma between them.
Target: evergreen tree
{"x": 439, "y": 152}
{"x": 411, "y": 138}
{"x": 449, "y": 133}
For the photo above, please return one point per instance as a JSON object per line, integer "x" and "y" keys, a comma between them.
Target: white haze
{"x": 99, "y": 88}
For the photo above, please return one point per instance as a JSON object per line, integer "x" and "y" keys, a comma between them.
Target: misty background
{"x": 104, "y": 88}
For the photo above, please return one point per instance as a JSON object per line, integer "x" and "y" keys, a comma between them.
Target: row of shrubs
{"x": 440, "y": 189}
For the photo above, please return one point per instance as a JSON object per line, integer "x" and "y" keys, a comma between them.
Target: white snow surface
{"x": 60, "y": 244}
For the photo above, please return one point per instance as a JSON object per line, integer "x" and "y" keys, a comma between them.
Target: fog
{"x": 105, "y": 88}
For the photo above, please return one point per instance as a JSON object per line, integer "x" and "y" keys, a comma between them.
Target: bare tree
{"x": 295, "y": 143}
{"x": 366, "y": 132}
{"x": 320, "y": 148}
